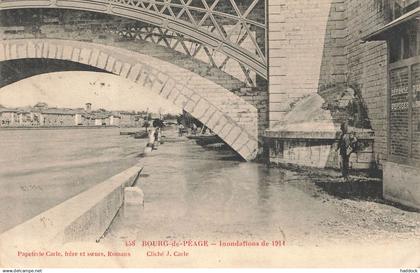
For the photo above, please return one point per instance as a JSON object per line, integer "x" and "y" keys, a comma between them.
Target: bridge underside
{"x": 219, "y": 79}
{"x": 15, "y": 70}
{"x": 111, "y": 30}
{"x": 229, "y": 116}
{"x": 234, "y": 29}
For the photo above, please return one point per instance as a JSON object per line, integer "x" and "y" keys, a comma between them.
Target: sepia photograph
{"x": 210, "y": 134}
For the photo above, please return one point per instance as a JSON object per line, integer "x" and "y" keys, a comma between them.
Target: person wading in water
{"x": 346, "y": 145}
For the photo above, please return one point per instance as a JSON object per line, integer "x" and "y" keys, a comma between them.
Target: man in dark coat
{"x": 346, "y": 146}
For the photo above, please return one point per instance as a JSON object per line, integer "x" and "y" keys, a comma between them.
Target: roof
{"x": 127, "y": 113}
{"x": 381, "y": 33}
{"x": 115, "y": 114}
{"x": 7, "y": 110}
{"x": 41, "y": 105}
{"x": 101, "y": 115}
{"x": 59, "y": 111}
{"x": 26, "y": 109}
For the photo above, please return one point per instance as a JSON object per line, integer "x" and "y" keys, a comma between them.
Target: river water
{"x": 194, "y": 193}
{"x": 190, "y": 192}
{"x": 42, "y": 168}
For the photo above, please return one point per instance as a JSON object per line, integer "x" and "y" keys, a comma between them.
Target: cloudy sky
{"x": 74, "y": 89}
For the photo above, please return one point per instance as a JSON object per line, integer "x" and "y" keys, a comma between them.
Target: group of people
{"x": 187, "y": 124}
{"x": 182, "y": 130}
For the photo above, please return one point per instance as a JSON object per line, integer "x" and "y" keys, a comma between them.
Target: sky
{"x": 74, "y": 89}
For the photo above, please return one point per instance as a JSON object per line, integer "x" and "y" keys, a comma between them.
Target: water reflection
{"x": 191, "y": 192}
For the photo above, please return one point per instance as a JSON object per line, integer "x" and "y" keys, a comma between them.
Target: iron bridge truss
{"x": 235, "y": 29}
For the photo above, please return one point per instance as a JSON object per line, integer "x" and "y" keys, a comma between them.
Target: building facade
{"x": 402, "y": 165}
{"x": 41, "y": 115}
{"x": 352, "y": 61}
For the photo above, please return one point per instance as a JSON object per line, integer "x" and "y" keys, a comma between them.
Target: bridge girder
{"x": 218, "y": 24}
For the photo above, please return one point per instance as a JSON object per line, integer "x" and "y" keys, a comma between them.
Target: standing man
{"x": 180, "y": 129}
{"x": 151, "y": 141}
{"x": 194, "y": 129}
{"x": 346, "y": 146}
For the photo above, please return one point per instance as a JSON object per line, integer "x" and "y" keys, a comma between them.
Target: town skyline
{"x": 41, "y": 115}
{"x": 81, "y": 107}
{"x": 75, "y": 89}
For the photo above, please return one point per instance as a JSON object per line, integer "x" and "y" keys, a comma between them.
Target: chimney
{"x": 88, "y": 106}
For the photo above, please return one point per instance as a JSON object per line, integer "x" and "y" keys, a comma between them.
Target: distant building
{"x": 40, "y": 115}
{"x": 130, "y": 119}
{"x": 115, "y": 119}
{"x": 41, "y": 105}
{"x": 56, "y": 117}
{"x": 8, "y": 117}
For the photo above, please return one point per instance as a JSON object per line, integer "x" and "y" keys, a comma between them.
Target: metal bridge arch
{"x": 203, "y": 20}
{"x": 228, "y": 115}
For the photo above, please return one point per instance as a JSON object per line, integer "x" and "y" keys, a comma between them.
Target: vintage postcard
{"x": 210, "y": 133}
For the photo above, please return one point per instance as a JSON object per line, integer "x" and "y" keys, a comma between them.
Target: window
{"x": 400, "y": 7}
{"x": 405, "y": 43}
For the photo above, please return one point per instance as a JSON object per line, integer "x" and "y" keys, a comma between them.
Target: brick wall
{"x": 367, "y": 69}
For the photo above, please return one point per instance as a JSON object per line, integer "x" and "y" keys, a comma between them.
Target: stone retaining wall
{"x": 317, "y": 150}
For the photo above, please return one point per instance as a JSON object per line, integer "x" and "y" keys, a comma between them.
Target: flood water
{"x": 190, "y": 192}
{"x": 42, "y": 168}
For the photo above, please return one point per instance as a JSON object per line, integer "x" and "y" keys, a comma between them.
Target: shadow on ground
{"x": 360, "y": 190}
{"x": 353, "y": 189}
{"x": 362, "y": 186}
